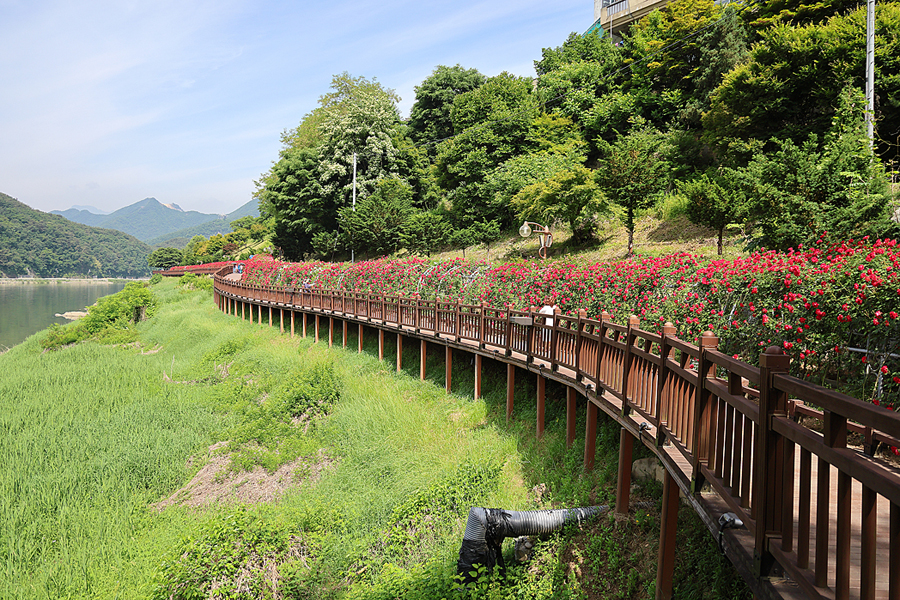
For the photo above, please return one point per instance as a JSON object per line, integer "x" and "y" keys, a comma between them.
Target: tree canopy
{"x": 744, "y": 110}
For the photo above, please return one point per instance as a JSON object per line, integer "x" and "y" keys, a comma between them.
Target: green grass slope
{"x": 376, "y": 471}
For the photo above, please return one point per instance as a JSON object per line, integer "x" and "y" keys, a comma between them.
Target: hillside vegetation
{"x": 750, "y": 117}
{"x": 33, "y": 243}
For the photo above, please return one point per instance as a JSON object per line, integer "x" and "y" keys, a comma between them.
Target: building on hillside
{"x": 616, "y": 16}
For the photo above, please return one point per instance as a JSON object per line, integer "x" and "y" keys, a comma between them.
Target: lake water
{"x": 28, "y": 307}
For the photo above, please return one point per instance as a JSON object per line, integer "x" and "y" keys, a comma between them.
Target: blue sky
{"x": 105, "y": 103}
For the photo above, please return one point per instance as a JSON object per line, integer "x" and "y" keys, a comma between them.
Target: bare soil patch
{"x": 214, "y": 483}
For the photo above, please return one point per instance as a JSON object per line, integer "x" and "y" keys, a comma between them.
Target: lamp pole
{"x": 352, "y": 250}
{"x": 870, "y": 71}
{"x": 543, "y": 232}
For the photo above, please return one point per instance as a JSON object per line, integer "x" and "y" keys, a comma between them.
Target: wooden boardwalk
{"x": 726, "y": 432}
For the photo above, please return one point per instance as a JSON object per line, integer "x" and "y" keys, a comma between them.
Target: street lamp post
{"x": 353, "y": 250}
{"x": 543, "y": 232}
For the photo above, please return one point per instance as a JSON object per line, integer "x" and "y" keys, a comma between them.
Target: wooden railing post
{"x": 590, "y": 436}
{"x": 604, "y": 316}
{"x": 703, "y": 426}
{"x": 663, "y": 388}
{"x": 554, "y": 341}
{"x": 456, "y": 320}
{"x": 767, "y": 478}
{"x": 507, "y": 345}
{"x": 530, "y": 334}
{"x": 633, "y": 323}
{"x": 582, "y": 315}
{"x": 480, "y": 334}
{"x": 665, "y": 567}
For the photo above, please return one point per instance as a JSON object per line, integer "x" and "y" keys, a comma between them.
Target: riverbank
{"x": 28, "y": 306}
{"x": 48, "y": 280}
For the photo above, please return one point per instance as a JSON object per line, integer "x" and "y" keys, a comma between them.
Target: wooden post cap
{"x": 709, "y": 340}
{"x": 775, "y": 359}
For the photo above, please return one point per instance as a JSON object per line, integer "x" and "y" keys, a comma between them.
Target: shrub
{"x": 192, "y": 281}
{"x": 109, "y": 320}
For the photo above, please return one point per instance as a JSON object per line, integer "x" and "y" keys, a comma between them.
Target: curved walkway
{"x": 821, "y": 518}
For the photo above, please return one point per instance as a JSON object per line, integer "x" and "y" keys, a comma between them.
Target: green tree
{"x": 214, "y": 244}
{"x": 429, "y": 118}
{"x": 313, "y": 179}
{"x": 798, "y": 12}
{"x": 585, "y": 86}
{"x": 522, "y": 170}
{"x": 163, "y": 258}
{"x": 789, "y": 88}
{"x": 570, "y": 196}
{"x": 591, "y": 48}
{"x": 797, "y": 192}
{"x": 425, "y": 232}
{"x": 679, "y": 55}
{"x": 712, "y": 202}
{"x": 375, "y": 226}
{"x": 480, "y": 232}
{"x": 632, "y": 172}
{"x": 493, "y": 122}
{"x": 361, "y": 118}
{"x": 297, "y": 202}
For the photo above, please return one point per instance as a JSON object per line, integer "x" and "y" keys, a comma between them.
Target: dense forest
{"x": 44, "y": 245}
{"x": 748, "y": 116}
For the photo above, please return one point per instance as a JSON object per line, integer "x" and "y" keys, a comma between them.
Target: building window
{"x": 614, "y": 7}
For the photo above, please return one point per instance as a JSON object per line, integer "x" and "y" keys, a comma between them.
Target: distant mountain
{"x": 91, "y": 209}
{"x": 45, "y": 245}
{"x": 146, "y": 220}
{"x": 77, "y": 215}
{"x": 180, "y": 238}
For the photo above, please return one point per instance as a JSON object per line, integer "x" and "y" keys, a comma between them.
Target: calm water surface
{"x": 26, "y": 308}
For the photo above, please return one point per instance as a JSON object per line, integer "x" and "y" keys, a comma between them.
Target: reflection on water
{"x": 26, "y": 308}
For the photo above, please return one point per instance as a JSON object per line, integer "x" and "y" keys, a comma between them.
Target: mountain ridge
{"x": 149, "y": 219}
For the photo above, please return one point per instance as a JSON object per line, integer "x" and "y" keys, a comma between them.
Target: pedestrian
{"x": 548, "y": 309}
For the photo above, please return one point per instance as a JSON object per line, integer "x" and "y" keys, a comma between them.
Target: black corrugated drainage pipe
{"x": 486, "y": 528}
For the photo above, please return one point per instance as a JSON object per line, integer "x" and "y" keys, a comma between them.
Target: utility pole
{"x": 353, "y": 250}
{"x": 870, "y": 71}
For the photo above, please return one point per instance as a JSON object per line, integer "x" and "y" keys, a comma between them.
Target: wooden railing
{"x": 733, "y": 424}
{"x": 195, "y": 269}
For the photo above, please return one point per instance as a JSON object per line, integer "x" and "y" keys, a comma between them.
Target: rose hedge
{"x": 833, "y": 307}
